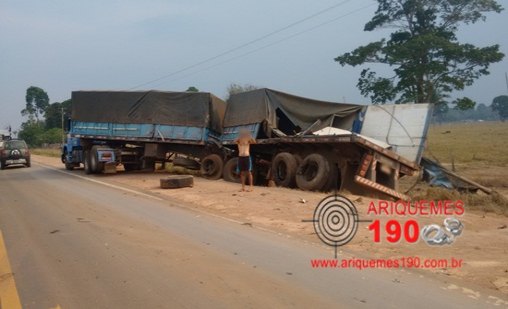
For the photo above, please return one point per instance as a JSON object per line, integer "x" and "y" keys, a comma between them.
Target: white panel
{"x": 403, "y": 126}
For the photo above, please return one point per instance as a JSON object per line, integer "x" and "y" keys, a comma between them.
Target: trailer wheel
{"x": 230, "y": 173}
{"x": 284, "y": 168}
{"x": 63, "y": 157}
{"x": 211, "y": 166}
{"x": 95, "y": 165}
{"x": 334, "y": 182}
{"x": 313, "y": 172}
{"x": 86, "y": 163}
{"x": 177, "y": 181}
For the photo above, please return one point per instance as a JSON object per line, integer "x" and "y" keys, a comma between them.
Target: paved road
{"x": 75, "y": 243}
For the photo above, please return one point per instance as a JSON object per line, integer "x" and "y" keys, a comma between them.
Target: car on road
{"x": 14, "y": 152}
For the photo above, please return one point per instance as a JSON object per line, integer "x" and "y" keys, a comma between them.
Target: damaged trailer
{"x": 318, "y": 145}
{"x": 304, "y": 143}
{"x": 139, "y": 128}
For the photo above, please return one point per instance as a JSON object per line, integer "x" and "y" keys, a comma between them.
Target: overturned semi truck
{"x": 301, "y": 142}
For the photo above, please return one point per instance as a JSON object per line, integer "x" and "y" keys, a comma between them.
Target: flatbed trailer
{"x": 292, "y": 150}
{"x": 139, "y": 129}
{"x": 343, "y": 162}
{"x": 198, "y": 130}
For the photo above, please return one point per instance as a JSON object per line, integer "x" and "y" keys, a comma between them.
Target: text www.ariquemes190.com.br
{"x": 402, "y": 262}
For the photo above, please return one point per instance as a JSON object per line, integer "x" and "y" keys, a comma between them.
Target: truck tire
{"x": 284, "y": 168}
{"x": 335, "y": 179}
{"x": 95, "y": 165}
{"x": 177, "y": 181}
{"x": 211, "y": 166}
{"x": 313, "y": 173}
{"x": 229, "y": 173}
{"x": 2, "y": 165}
{"x": 63, "y": 157}
{"x": 86, "y": 163}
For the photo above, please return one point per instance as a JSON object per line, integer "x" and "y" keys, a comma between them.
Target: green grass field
{"x": 476, "y": 142}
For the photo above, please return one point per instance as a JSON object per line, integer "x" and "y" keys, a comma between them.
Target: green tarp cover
{"x": 261, "y": 105}
{"x": 194, "y": 109}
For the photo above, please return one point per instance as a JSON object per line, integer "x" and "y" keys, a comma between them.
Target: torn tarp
{"x": 288, "y": 113}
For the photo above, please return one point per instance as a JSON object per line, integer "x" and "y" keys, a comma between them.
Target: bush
{"x": 35, "y": 134}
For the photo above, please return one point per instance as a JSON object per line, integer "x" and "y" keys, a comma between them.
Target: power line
{"x": 243, "y": 45}
{"x": 276, "y": 42}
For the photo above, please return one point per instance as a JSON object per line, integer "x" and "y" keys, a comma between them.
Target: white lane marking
{"x": 100, "y": 182}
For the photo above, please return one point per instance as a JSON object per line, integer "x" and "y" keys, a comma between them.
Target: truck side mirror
{"x": 67, "y": 124}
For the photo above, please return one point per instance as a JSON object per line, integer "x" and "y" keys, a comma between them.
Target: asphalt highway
{"x": 74, "y": 243}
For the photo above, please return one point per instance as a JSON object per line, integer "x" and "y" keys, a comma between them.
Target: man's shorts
{"x": 244, "y": 164}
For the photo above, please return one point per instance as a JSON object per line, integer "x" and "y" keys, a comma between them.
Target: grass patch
{"x": 474, "y": 142}
{"x": 47, "y": 152}
{"x": 494, "y": 202}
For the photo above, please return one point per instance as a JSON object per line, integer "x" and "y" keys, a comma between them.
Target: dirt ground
{"x": 483, "y": 245}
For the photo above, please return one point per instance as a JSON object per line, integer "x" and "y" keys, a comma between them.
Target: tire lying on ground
{"x": 284, "y": 168}
{"x": 211, "y": 166}
{"x": 229, "y": 173}
{"x": 313, "y": 173}
{"x": 177, "y": 181}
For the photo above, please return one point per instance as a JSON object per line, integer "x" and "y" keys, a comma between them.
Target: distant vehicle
{"x": 14, "y": 152}
{"x": 5, "y": 135}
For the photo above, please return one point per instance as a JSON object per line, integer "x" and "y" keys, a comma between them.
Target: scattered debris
{"x": 437, "y": 175}
{"x": 54, "y": 231}
{"x": 303, "y": 201}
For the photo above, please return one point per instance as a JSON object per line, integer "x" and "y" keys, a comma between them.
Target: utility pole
{"x": 63, "y": 126}
{"x": 506, "y": 77}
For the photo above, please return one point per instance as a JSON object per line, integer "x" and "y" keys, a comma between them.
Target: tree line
{"x": 44, "y": 119}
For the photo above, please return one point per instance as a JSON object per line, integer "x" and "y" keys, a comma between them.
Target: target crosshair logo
{"x": 336, "y": 221}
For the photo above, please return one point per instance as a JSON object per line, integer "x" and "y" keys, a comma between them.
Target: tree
{"x": 500, "y": 105}
{"x": 53, "y": 113}
{"x": 32, "y": 132}
{"x": 37, "y": 101}
{"x": 192, "y": 89}
{"x": 464, "y": 104}
{"x": 423, "y": 50}
{"x": 237, "y": 88}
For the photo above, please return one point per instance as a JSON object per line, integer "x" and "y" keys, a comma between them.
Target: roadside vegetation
{"x": 47, "y": 152}
{"x": 483, "y": 143}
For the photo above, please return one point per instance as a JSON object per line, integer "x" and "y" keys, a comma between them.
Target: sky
{"x": 66, "y": 45}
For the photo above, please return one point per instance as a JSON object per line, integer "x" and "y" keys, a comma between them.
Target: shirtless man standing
{"x": 244, "y": 161}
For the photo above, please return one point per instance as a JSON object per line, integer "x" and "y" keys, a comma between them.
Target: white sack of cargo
{"x": 336, "y": 131}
